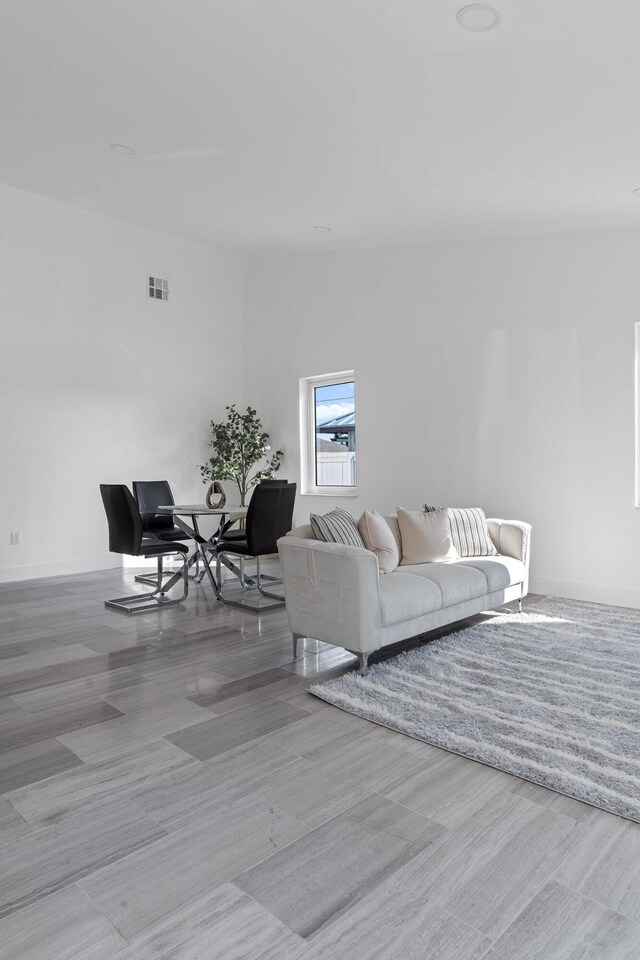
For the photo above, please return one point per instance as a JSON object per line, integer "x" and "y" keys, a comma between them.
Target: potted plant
{"x": 240, "y": 444}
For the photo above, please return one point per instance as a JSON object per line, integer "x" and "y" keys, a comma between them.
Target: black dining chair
{"x": 149, "y": 495}
{"x": 126, "y": 537}
{"x": 269, "y": 517}
{"x": 241, "y": 533}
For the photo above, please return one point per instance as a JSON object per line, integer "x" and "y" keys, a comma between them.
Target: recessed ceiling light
{"x": 323, "y": 229}
{"x": 478, "y": 17}
{"x": 122, "y": 148}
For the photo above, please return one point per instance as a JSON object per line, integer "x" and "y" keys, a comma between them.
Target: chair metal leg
{"x": 144, "y": 602}
{"x": 153, "y": 581}
{"x": 244, "y": 604}
{"x": 267, "y": 576}
{"x": 266, "y": 593}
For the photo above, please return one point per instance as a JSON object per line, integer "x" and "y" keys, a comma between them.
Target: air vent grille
{"x": 158, "y": 289}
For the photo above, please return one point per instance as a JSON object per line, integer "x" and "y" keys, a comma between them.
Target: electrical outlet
{"x": 16, "y": 538}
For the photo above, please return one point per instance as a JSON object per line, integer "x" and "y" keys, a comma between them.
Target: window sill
{"x": 331, "y": 492}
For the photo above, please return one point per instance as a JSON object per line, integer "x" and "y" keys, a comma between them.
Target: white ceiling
{"x": 254, "y": 120}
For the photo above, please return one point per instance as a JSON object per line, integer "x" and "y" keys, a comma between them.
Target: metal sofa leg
{"x": 363, "y": 659}
{"x": 296, "y": 637}
{"x": 521, "y": 598}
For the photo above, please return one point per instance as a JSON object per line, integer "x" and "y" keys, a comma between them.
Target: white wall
{"x": 497, "y": 373}
{"x": 97, "y": 382}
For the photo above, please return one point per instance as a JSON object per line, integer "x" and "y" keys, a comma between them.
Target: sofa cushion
{"x": 378, "y": 538}
{"x": 500, "y": 572}
{"x": 456, "y": 581}
{"x": 392, "y": 520}
{"x": 406, "y": 597}
{"x": 426, "y": 537}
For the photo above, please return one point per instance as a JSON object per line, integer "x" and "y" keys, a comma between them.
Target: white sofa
{"x": 334, "y": 593}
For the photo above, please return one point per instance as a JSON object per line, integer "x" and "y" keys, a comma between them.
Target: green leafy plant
{"x": 239, "y": 443}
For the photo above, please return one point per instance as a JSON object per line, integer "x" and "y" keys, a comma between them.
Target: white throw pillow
{"x": 378, "y": 537}
{"x": 426, "y": 537}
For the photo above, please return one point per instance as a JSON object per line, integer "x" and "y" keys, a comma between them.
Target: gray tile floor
{"x": 170, "y": 791}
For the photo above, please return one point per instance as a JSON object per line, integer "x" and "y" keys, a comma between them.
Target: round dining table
{"x": 186, "y": 516}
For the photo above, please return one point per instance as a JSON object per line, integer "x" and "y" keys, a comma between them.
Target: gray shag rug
{"x": 551, "y": 695}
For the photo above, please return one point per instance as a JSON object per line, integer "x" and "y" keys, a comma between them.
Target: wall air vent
{"x": 158, "y": 289}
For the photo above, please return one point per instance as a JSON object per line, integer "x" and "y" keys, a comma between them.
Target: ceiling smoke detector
{"x": 478, "y": 17}
{"x": 323, "y": 229}
{"x": 123, "y": 149}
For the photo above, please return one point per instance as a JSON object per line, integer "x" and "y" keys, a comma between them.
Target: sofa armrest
{"x": 305, "y": 532}
{"x": 512, "y": 538}
{"x": 332, "y": 592}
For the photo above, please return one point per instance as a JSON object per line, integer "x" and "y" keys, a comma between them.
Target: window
{"x": 328, "y": 432}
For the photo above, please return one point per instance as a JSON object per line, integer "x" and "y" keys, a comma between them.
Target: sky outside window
{"x": 334, "y": 400}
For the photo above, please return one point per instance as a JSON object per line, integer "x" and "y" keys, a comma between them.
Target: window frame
{"x": 637, "y": 415}
{"x": 308, "y": 450}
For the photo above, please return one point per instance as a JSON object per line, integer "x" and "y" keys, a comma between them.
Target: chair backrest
{"x": 276, "y": 480}
{"x": 149, "y": 495}
{"x": 269, "y": 517}
{"x": 123, "y": 517}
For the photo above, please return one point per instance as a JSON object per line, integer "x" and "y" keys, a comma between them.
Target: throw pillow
{"x": 378, "y": 537}
{"x": 338, "y": 526}
{"x": 469, "y": 531}
{"x": 426, "y": 537}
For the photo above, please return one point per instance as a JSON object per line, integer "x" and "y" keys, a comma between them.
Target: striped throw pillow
{"x": 338, "y": 526}
{"x": 469, "y": 531}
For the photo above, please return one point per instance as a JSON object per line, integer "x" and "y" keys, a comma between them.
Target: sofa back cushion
{"x": 426, "y": 536}
{"x": 394, "y": 526}
{"x": 338, "y": 526}
{"x": 469, "y": 531}
{"x": 378, "y": 537}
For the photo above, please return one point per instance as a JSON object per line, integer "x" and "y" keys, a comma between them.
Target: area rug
{"x": 551, "y": 695}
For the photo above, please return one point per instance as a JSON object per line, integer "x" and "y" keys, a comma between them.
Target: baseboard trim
{"x": 611, "y": 594}
{"x": 36, "y": 571}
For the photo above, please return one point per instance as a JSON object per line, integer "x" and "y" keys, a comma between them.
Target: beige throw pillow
{"x": 378, "y": 537}
{"x": 426, "y": 537}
